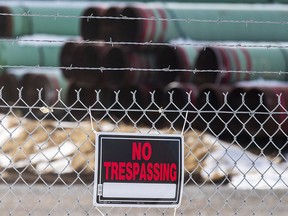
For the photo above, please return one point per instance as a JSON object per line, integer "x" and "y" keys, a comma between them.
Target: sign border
{"x": 165, "y": 203}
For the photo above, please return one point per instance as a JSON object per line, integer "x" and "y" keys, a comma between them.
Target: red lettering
{"x": 143, "y": 172}
{"x": 129, "y": 171}
{"x": 173, "y": 172}
{"x": 136, "y": 170}
{"x": 136, "y": 151}
{"x": 149, "y": 171}
{"x": 114, "y": 171}
{"x": 107, "y": 165}
{"x": 166, "y": 172}
{"x": 140, "y": 151}
{"x": 161, "y": 172}
{"x": 132, "y": 171}
{"x": 146, "y": 151}
{"x": 156, "y": 172}
{"x": 122, "y": 171}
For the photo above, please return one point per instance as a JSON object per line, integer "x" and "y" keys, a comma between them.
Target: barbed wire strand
{"x": 229, "y": 44}
{"x": 187, "y": 20}
{"x": 103, "y": 69}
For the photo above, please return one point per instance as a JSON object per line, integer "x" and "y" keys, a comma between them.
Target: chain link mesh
{"x": 47, "y": 158}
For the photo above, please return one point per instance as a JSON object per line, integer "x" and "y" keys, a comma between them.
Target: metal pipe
{"x": 80, "y": 60}
{"x": 174, "y": 57}
{"x": 41, "y": 88}
{"x": 235, "y": 63}
{"x": 205, "y": 22}
{"x": 8, "y": 84}
{"x": 108, "y": 26}
{"x": 262, "y": 109}
{"x": 18, "y": 20}
{"x": 123, "y": 58}
{"x": 24, "y": 54}
{"x": 91, "y": 27}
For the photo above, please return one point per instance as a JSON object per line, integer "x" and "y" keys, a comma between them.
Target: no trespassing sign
{"x": 138, "y": 170}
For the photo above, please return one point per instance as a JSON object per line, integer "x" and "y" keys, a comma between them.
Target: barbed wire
{"x": 103, "y": 69}
{"x": 173, "y": 43}
{"x": 187, "y": 20}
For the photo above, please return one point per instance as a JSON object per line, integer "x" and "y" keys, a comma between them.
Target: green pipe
{"x": 57, "y": 23}
{"x": 14, "y": 25}
{"x": 40, "y": 20}
{"x": 202, "y": 22}
{"x": 234, "y": 64}
{"x": 16, "y": 54}
{"x": 176, "y": 58}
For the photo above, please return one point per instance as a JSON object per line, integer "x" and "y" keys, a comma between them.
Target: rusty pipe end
{"x": 207, "y": 60}
{"x": 80, "y": 63}
{"x": 91, "y": 27}
{"x": 9, "y": 82}
{"x": 169, "y": 57}
{"x": 116, "y": 58}
{"x": 132, "y": 30}
{"x": 67, "y": 58}
{"x": 111, "y": 29}
{"x": 6, "y": 22}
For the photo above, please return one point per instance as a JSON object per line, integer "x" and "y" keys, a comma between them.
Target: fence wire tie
{"x": 46, "y": 110}
{"x": 91, "y": 120}
{"x": 184, "y": 123}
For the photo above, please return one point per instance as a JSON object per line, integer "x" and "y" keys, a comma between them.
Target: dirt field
{"x": 77, "y": 200}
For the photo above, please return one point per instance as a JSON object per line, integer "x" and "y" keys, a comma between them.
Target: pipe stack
{"x": 110, "y": 58}
{"x": 32, "y": 19}
{"x": 236, "y": 63}
{"x": 151, "y": 22}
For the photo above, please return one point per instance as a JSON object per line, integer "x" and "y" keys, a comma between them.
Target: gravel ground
{"x": 39, "y": 199}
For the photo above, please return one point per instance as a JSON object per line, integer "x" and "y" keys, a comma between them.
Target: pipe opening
{"x": 115, "y": 58}
{"x": 206, "y": 60}
{"x": 168, "y": 57}
{"x": 9, "y": 82}
{"x": 6, "y": 22}
{"x": 67, "y": 58}
{"x": 31, "y": 84}
{"x": 111, "y": 29}
{"x": 91, "y": 27}
{"x": 131, "y": 29}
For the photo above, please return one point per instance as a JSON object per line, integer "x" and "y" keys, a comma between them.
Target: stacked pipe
{"x": 18, "y": 20}
{"x": 267, "y": 102}
{"x": 36, "y": 88}
{"x": 233, "y": 64}
{"x": 144, "y": 29}
{"x": 91, "y": 64}
{"x": 18, "y": 59}
{"x": 185, "y": 23}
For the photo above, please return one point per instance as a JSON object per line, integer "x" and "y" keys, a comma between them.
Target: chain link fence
{"x": 215, "y": 73}
{"x": 47, "y": 160}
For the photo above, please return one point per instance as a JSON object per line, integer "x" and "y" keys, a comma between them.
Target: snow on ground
{"x": 245, "y": 169}
{"x": 66, "y": 147}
